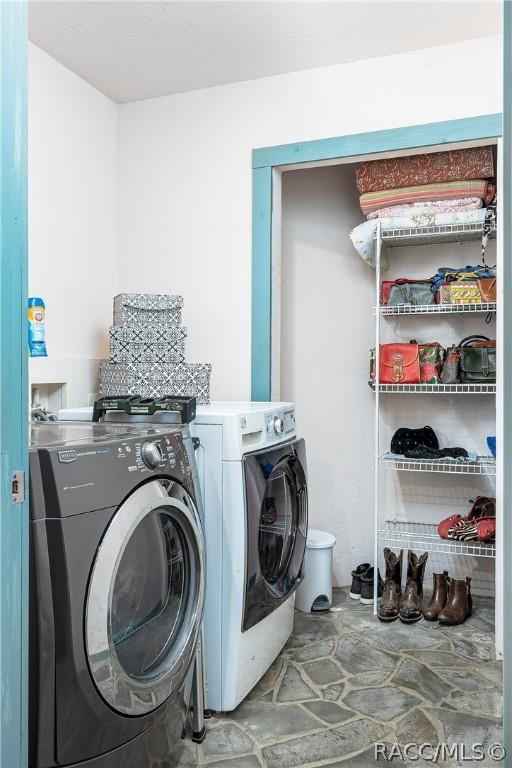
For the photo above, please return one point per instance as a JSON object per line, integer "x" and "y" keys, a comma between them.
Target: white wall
{"x": 73, "y": 145}
{"x": 185, "y": 174}
{"x": 326, "y": 333}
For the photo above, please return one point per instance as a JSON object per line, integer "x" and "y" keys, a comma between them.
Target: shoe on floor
{"x": 392, "y": 591}
{"x": 355, "y": 589}
{"x": 459, "y": 605}
{"x": 367, "y": 583}
{"x": 439, "y": 596}
{"x": 412, "y": 596}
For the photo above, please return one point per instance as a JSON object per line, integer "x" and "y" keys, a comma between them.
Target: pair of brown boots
{"x": 405, "y": 604}
{"x": 451, "y": 602}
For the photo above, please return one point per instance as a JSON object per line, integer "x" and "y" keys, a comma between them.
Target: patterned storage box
{"x": 156, "y": 379}
{"x": 155, "y": 308}
{"x": 141, "y": 343}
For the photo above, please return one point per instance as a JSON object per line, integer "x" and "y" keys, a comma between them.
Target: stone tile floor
{"x": 345, "y": 681}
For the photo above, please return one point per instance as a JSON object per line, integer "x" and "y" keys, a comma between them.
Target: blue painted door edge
{"x": 507, "y": 378}
{"x": 14, "y": 547}
{"x": 408, "y": 137}
{"x": 261, "y": 348}
{"x": 465, "y": 129}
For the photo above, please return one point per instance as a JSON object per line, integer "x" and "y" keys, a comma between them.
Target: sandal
{"x": 483, "y": 507}
{"x": 483, "y": 529}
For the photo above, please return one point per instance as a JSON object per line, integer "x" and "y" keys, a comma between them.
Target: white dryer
{"x": 252, "y": 470}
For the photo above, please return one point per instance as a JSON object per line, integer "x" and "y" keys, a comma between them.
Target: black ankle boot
{"x": 367, "y": 583}
{"x": 355, "y": 589}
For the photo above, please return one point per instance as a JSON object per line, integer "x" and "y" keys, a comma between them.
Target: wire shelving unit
{"x": 443, "y": 233}
{"x": 411, "y": 534}
{"x": 436, "y": 309}
{"x": 484, "y": 465}
{"x": 437, "y": 389}
{"x": 424, "y": 536}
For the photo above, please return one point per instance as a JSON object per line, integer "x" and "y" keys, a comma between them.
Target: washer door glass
{"x": 278, "y": 522}
{"x": 145, "y": 599}
{"x": 150, "y": 594}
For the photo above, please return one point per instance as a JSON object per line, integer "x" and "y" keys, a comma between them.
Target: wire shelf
{"x": 445, "y": 233}
{"x": 424, "y": 536}
{"x": 435, "y": 309}
{"x": 437, "y": 389}
{"x": 484, "y": 465}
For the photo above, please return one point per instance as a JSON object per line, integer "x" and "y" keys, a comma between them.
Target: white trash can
{"x": 315, "y": 591}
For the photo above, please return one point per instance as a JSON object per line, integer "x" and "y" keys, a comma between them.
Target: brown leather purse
{"x": 487, "y": 287}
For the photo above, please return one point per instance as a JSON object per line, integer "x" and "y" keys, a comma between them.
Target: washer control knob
{"x": 151, "y": 455}
{"x": 278, "y": 425}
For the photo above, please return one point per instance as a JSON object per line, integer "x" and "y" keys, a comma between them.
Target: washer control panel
{"x": 280, "y": 425}
{"x": 150, "y": 454}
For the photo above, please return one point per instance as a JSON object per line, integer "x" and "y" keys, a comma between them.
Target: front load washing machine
{"x": 252, "y": 473}
{"x": 117, "y": 584}
{"x": 252, "y": 470}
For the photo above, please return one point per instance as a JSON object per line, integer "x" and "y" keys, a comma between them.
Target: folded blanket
{"x": 450, "y": 190}
{"x": 363, "y": 236}
{"x": 455, "y": 165}
{"x": 432, "y": 206}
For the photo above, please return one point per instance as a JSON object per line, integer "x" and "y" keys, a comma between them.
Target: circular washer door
{"x": 278, "y": 522}
{"x": 145, "y": 599}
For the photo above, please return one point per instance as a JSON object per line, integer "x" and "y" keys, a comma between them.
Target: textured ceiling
{"x": 139, "y": 50}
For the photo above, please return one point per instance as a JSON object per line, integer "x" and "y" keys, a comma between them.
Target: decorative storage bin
{"x": 156, "y": 380}
{"x": 140, "y": 343}
{"x": 154, "y": 308}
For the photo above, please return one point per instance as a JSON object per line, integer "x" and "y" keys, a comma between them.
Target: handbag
{"x": 406, "y": 291}
{"x": 399, "y": 364}
{"x": 450, "y": 369}
{"x": 412, "y": 293}
{"x": 460, "y": 292}
{"x": 477, "y": 360}
{"x": 487, "y": 288}
{"x": 431, "y": 361}
{"x": 450, "y": 274}
{"x": 406, "y": 439}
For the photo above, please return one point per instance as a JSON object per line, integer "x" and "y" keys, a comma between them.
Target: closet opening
{"x": 323, "y": 328}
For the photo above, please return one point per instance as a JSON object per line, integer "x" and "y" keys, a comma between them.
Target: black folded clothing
{"x": 426, "y": 452}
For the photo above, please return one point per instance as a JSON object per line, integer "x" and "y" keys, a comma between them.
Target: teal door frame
{"x": 13, "y": 384}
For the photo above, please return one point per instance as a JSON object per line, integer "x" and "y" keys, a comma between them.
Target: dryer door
{"x": 276, "y": 498}
{"x": 145, "y": 599}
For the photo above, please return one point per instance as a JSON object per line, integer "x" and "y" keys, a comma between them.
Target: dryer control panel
{"x": 279, "y": 425}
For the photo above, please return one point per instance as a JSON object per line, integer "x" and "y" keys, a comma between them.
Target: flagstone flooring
{"x": 345, "y": 681}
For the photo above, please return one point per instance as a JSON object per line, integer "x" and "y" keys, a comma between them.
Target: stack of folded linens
{"x": 431, "y": 190}
{"x": 453, "y": 181}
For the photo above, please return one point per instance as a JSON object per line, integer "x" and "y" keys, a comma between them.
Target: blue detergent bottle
{"x": 36, "y": 327}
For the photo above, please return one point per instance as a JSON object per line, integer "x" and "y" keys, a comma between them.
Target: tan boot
{"x": 439, "y": 596}
{"x": 459, "y": 604}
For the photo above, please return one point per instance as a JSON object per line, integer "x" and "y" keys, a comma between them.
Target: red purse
{"x": 399, "y": 364}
